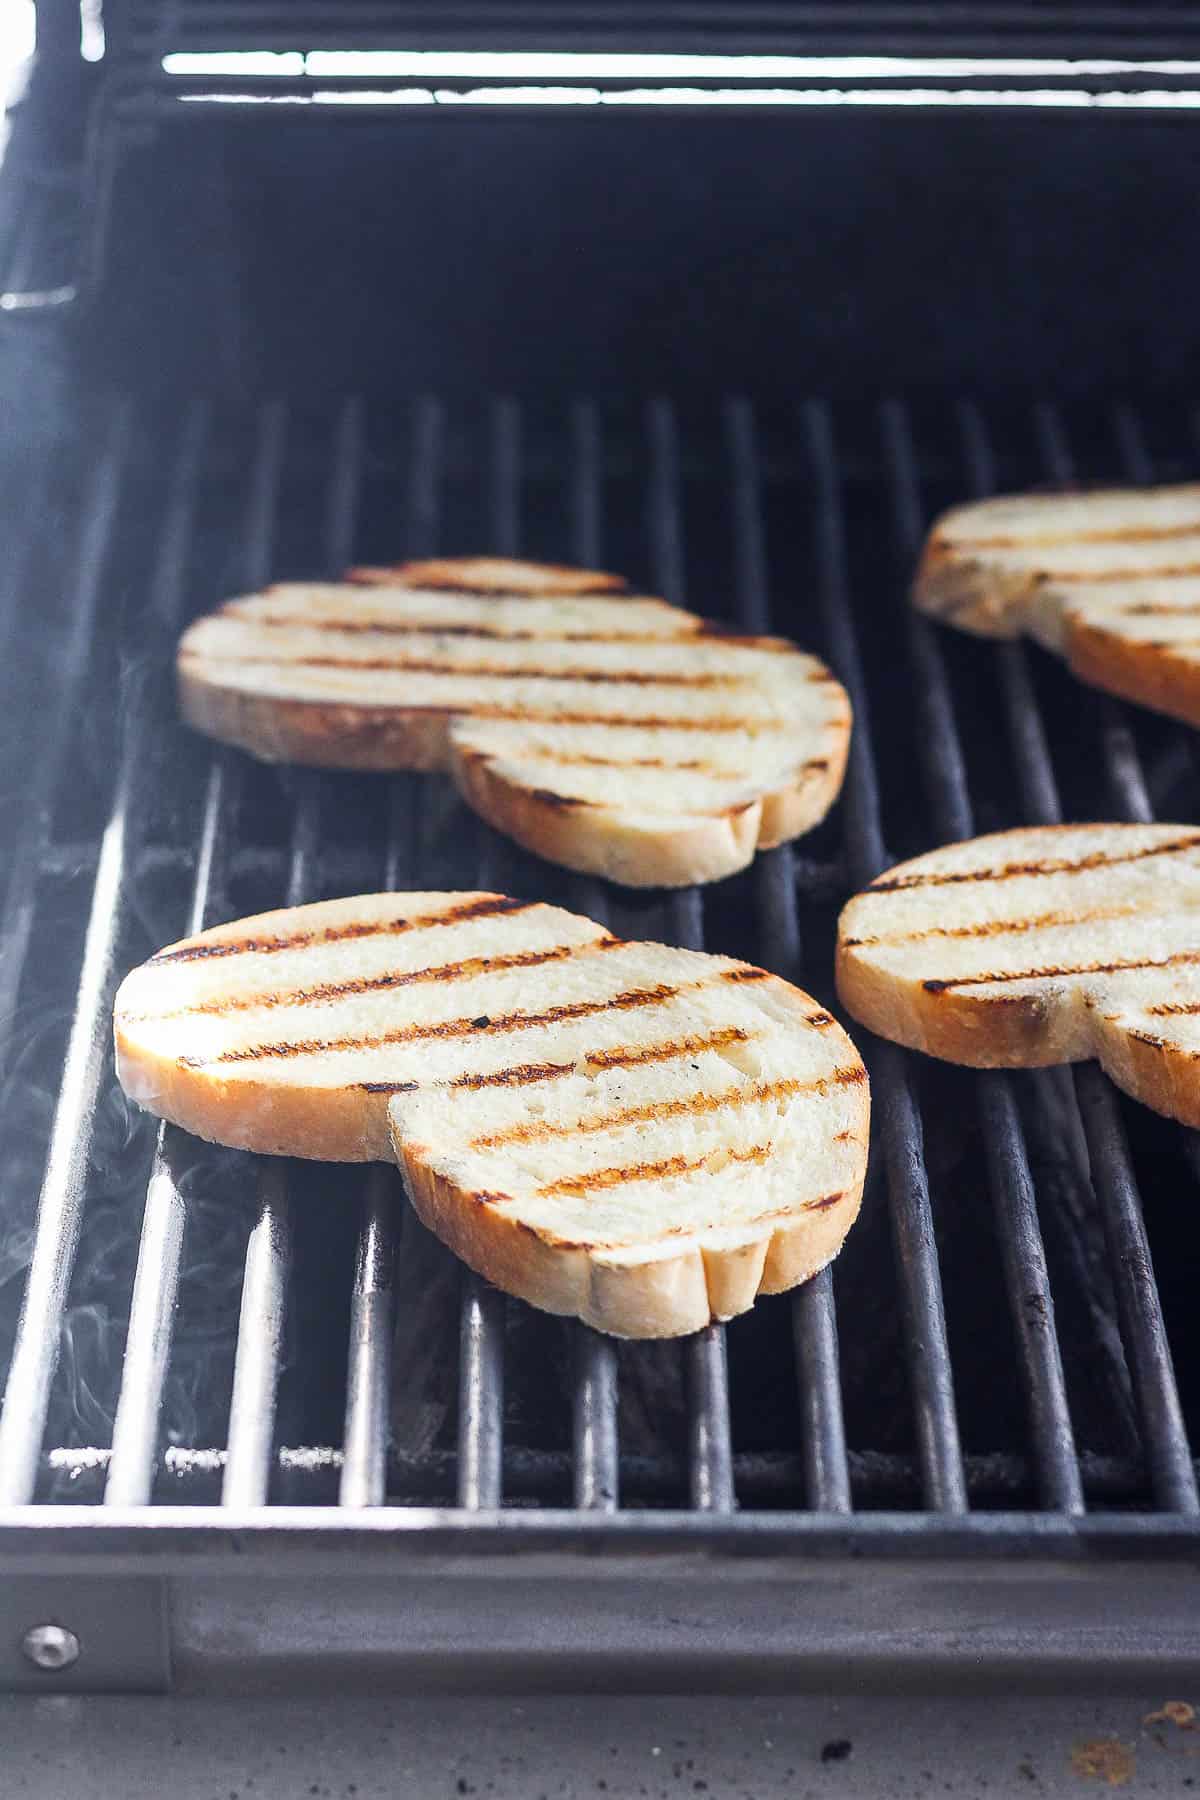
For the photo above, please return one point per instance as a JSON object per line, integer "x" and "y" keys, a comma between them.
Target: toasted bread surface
{"x": 640, "y": 1136}
{"x": 1109, "y": 579}
{"x": 1040, "y": 946}
{"x": 612, "y": 733}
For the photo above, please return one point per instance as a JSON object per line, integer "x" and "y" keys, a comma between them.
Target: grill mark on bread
{"x": 989, "y": 928}
{"x": 623, "y": 1057}
{"x": 325, "y": 991}
{"x": 482, "y": 1025}
{"x": 484, "y": 633}
{"x": 570, "y": 759}
{"x": 730, "y": 1099}
{"x": 1153, "y": 609}
{"x": 469, "y": 671}
{"x": 1050, "y": 865}
{"x": 652, "y": 1171}
{"x": 1122, "y": 534}
{"x": 938, "y": 986}
{"x": 415, "y": 577}
{"x": 335, "y": 934}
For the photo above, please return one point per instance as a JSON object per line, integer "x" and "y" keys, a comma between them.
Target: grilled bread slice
{"x": 641, "y": 1136}
{"x": 1109, "y": 579}
{"x": 1040, "y": 946}
{"x": 613, "y": 733}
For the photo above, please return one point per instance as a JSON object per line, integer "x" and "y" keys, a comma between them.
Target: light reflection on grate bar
{"x": 164, "y": 1224}
{"x": 368, "y": 1387}
{"x": 43, "y": 777}
{"x": 814, "y": 1316}
{"x": 60, "y": 1204}
{"x": 897, "y": 1119}
{"x": 1023, "y": 1254}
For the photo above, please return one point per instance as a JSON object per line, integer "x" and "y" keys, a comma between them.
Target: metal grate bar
{"x": 814, "y": 1316}
{"x": 268, "y": 1253}
{"x": 899, "y": 1121}
{"x": 481, "y": 1325}
{"x": 1143, "y": 1327}
{"x": 480, "y": 1395}
{"x": 505, "y": 430}
{"x": 60, "y": 1205}
{"x": 364, "y": 1458}
{"x": 587, "y": 484}
{"x": 595, "y": 1443}
{"x": 160, "y": 1251}
{"x": 369, "y": 1362}
{"x": 710, "y": 1447}
{"x": 1027, "y": 1278}
{"x": 345, "y": 487}
{"x": 259, "y": 1345}
{"x": 99, "y": 514}
{"x": 424, "y": 471}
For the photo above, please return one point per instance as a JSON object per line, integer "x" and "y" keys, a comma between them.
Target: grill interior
{"x": 202, "y": 1325}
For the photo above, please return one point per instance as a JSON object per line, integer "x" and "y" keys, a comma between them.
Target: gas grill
{"x": 259, "y": 1429}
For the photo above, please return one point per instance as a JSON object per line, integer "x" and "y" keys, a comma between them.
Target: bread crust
{"x": 672, "y": 1292}
{"x": 314, "y": 733}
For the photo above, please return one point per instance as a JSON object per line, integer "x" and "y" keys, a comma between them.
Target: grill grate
{"x": 777, "y": 508}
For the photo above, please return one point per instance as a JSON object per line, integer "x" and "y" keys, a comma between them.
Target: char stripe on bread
{"x": 913, "y": 876}
{"x": 1095, "y": 977}
{"x": 485, "y": 671}
{"x": 465, "y": 970}
{"x": 640, "y": 998}
{"x": 1107, "y": 579}
{"x": 641, "y": 1136}
{"x": 486, "y": 908}
{"x": 533, "y": 690}
{"x": 669, "y": 1109}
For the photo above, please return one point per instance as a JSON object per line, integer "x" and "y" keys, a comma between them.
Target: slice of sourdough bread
{"x": 641, "y": 1136}
{"x": 1108, "y": 579}
{"x": 612, "y": 733}
{"x": 1047, "y": 945}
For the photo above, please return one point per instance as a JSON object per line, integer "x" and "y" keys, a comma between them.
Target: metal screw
{"x": 50, "y": 1647}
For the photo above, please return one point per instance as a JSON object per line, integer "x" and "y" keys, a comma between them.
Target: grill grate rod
{"x": 1023, "y": 1254}
{"x": 262, "y": 1315}
{"x": 60, "y": 1206}
{"x": 164, "y": 1223}
{"x": 99, "y": 516}
{"x": 901, "y": 1134}
{"x": 481, "y": 1324}
{"x": 1164, "y": 1433}
{"x": 369, "y": 1360}
{"x": 368, "y": 1388}
{"x": 814, "y": 1316}
{"x": 595, "y": 1443}
{"x": 710, "y": 1448}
